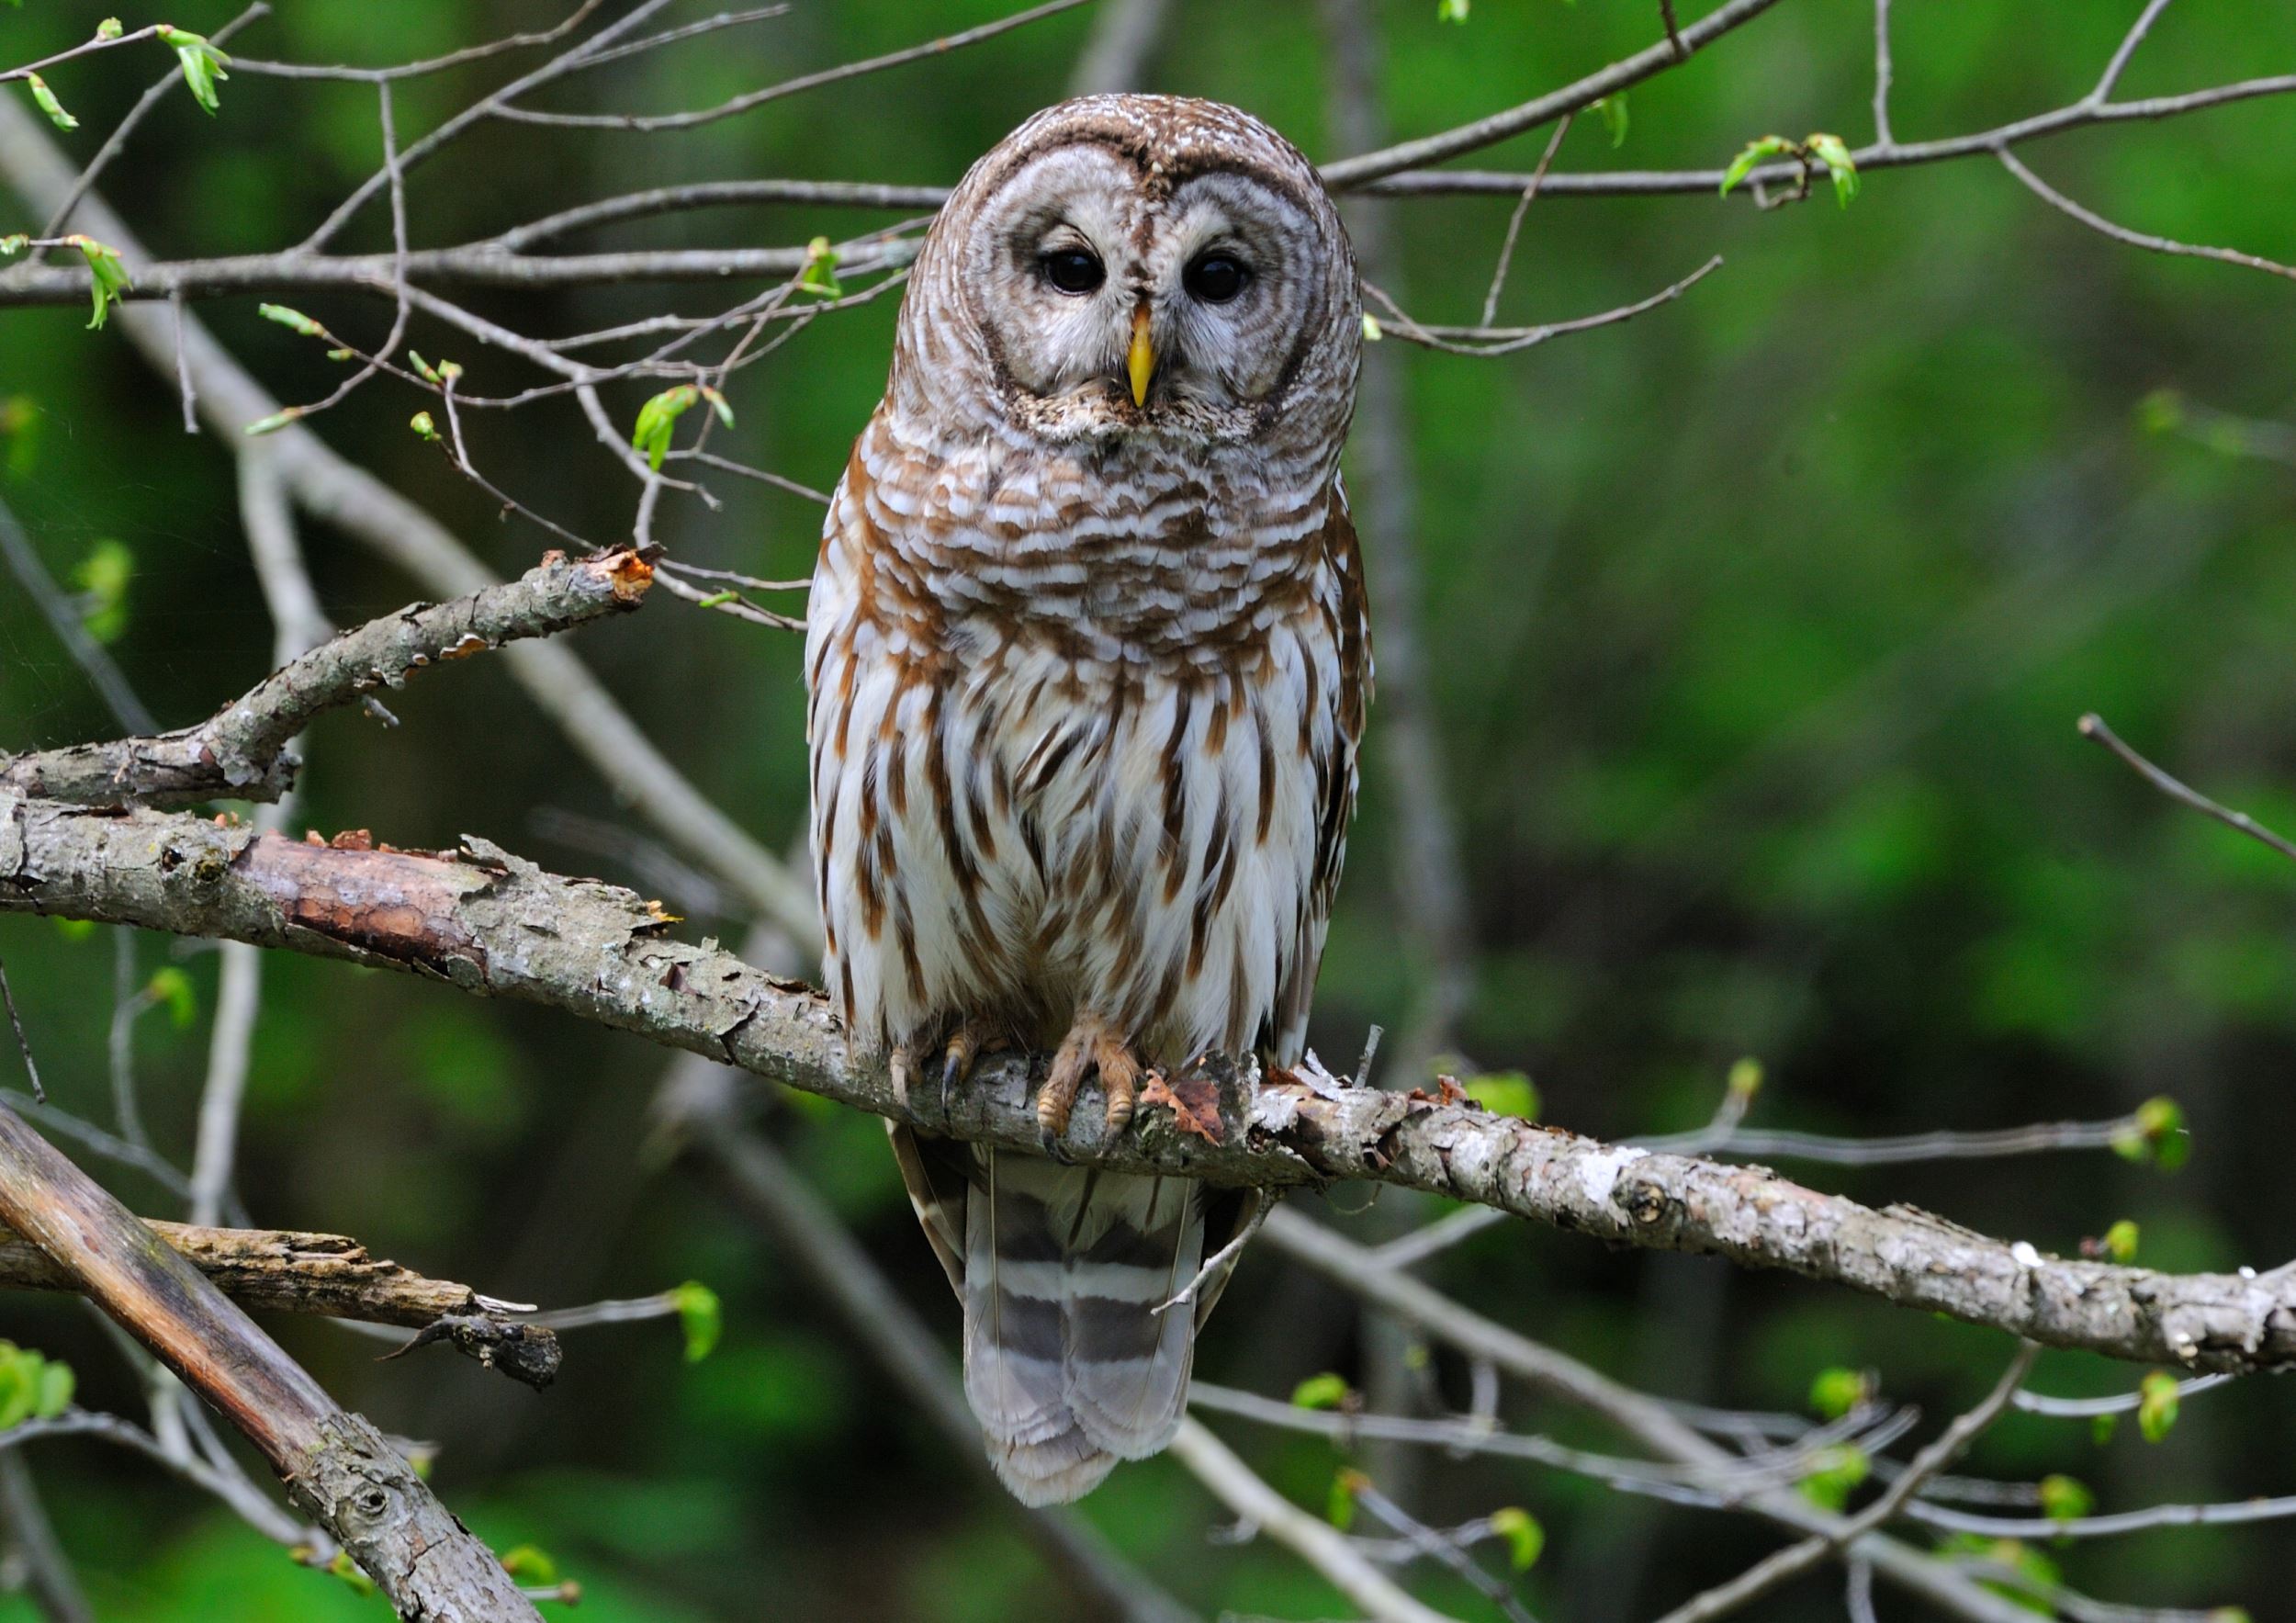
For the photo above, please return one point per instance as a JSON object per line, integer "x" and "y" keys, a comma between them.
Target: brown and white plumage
{"x": 1087, "y": 663}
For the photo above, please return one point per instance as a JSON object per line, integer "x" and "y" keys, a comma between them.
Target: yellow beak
{"x": 1140, "y": 361}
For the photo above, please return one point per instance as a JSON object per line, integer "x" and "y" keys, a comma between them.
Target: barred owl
{"x": 1086, "y": 666}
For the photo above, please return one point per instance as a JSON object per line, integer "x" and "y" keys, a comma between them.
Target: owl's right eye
{"x": 1074, "y": 270}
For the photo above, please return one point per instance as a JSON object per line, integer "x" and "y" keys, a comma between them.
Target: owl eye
{"x": 1074, "y": 270}
{"x": 1215, "y": 277}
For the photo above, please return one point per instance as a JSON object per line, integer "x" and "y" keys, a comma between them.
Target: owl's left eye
{"x": 1215, "y": 277}
{"x": 1074, "y": 270}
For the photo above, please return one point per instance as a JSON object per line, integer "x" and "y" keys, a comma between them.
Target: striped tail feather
{"x": 1066, "y": 1365}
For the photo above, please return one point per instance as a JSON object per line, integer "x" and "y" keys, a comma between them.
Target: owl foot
{"x": 1092, "y": 1043}
{"x": 971, "y": 1039}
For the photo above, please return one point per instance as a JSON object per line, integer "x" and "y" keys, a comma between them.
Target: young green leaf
{"x": 2102, "y": 1428}
{"x": 109, "y": 28}
{"x": 2120, "y": 1241}
{"x": 2066, "y": 1499}
{"x": 820, "y": 273}
{"x": 1525, "y": 1539}
{"x": 1340, "y": 1508}
{"x": 2157, "y": 1404}
{"x": 1506, "y": 1093}
{"x": 75, "y": 930}
{"x": 1834, "y": 153}
{"x": 1612, "y": 108}
{"x": 1745, "y": 1081}
{"x": 1372, "y": 331}
{"x": 14, "y": 243}
{"x": 655, "y": 420}
{"x": 108, "y": 279}
{"x": 719, "y": 404}
{"x": 1834, "y": 1475}
{"x": 294, "y": 319}
{"x": 703, "y": 1320}
{"x": 531, "y": 1565}
{"x": 173, "y": 986}
{"x": 102, "y": 578}
{"x": 1450, "y": 11}
{"x": 272, "y": 424}
{"x": 1835, "y": 1392}
{"x": 202, "y": 63}
{"x": 345, "y": 1568}
{"x": 1769, "y": 146}
{"x": 52, "y": 1386}
{"x": 45, "y": 99}
{"x": 423, "y": 427}
{"x": 1326, "y": 1391}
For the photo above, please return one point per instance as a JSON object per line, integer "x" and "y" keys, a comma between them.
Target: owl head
{"x": 1142, "y": 267}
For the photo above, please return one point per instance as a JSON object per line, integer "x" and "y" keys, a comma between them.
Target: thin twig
{"x": 2121, "y": 233}
{"x": 1514, "y": 221}
{"x": 23, "y": 1043}
{"x": 2092, "y": 726}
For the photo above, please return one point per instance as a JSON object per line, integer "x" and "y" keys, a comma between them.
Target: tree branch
{"x": 241, "y": 752}
{"x": 498, "y": 926}
{"x": 338, "y": 1469}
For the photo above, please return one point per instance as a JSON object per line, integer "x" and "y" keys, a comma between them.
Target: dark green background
{"x": 1758, "y": 629}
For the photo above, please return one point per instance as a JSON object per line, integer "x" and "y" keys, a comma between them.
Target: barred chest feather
{"x": 1081, "y": 735}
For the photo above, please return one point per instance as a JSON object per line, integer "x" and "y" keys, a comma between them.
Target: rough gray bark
{"x": 338, "y": 1469}
{"x": 496, "y": 925}
{"x": 241, "y": 752}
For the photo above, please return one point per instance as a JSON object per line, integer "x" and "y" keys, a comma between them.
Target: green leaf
{"x": 2102, "y": 1427}
{"x": 2120, "y": 1241}
{"x": 291, "y": 317}
{"x": 703, "y": 1318}
{"x": 202, "y": 63}
{"x": 109, "y": 28}
{"x": 530, "y": 1565}
{"x": 1834, "y": 153}
{"x": 1612, "y": 109}
{"x": 1340, "y": 1510}
{"x": 17, "y": 1393}
{"x": 1326, "y": 1391}
{"x": 719, "y": 404}
{"x": 2066, "y": 1499}
{"x": 173, "y": 986}
{"x": 1525, "y": 1539}
{"x": 1506, "y": 1093}
{"x": 2157, "y": 1404}
{"x": 2156, "y": 1134}
{"x": 657, "y": 417}
{"x": 423, "y": 426}
{"x": 1372, "y": 331}
{"x": 1834, "y": 1392}
{"x": 75, "y": 930}
{"x": 820, "y": 273}
{"x": 1450, "y": 11}
{"x": 1744, "y": 1080}
{"x": 345, "y": 1568}
{"x": 1769, "y": 146}
{"x": 45, "y": 99}
{"x": 108, "y": 279}
{"x": 1834, "y": 1475}
{"x": 53, "y": 1387}
{"x": 102, "y": 578}
{"x": 14, "y": 243}
{"x": 272, "y": 424}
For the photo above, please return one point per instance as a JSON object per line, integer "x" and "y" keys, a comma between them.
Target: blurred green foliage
{"x": 1759, "y": 628}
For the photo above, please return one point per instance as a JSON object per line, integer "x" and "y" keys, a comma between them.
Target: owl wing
{"x": 1336, "y": 735}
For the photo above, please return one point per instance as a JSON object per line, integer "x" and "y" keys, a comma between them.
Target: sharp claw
{"x": 953, "y": 1072}
{"x": 1050, "y": 1141}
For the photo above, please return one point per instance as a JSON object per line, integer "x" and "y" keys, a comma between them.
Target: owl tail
{"x": 1066, "y": 1364}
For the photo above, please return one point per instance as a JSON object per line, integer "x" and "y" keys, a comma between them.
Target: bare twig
{"x": 1514, "y": 221}
{"x": 55, "y": 1587}
{"x": 1503, "y": 341}
{"x": 2092, "y": 726}
{"x": 23, "y": 1043}
{"x": 64, "y": 619}
{"x": 742, "y": 104}
{"x": 1795, "y": 1560}
{"x": 2121, "y": 233}
{"x": 1310, "y": 1538}
{"x": 1882, "y": 74}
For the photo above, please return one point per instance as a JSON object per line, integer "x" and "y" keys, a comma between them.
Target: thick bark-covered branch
{"x": 285, "y": 1271}
{"x": 241, "y": 752}
{"x": 498, "y": 926}
{"x": 338, "y": 1469}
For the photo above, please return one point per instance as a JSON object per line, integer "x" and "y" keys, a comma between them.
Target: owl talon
{"x": 970, "y": 1041}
